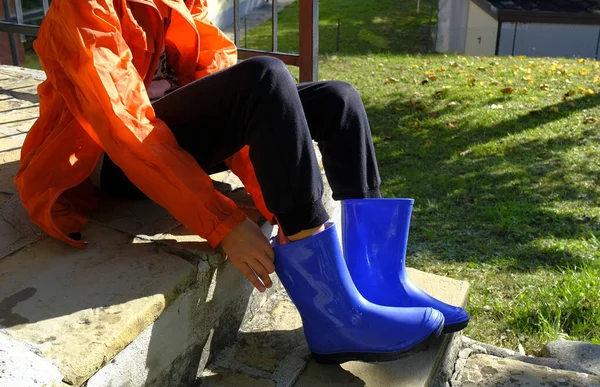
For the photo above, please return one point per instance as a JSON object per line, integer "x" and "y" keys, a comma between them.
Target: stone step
{"x": 271, "y": 350}
{"x": 488, "y": 370}
{"x": 145, "y": 304}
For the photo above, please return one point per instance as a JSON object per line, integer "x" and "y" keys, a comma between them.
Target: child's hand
{"x": 249, "y": 250}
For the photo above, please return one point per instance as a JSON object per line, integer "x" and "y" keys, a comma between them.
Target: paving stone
{"x": 227, "y": 378}
{"x": 586, "y": 355}
{"x": 20, "y": 366}
{"x": 80, "y": 307}
{"x": 272, "y": 337}
{"x": 134, "y": 217}
{"x": 486, "y": 370}
{"x": 16, "y": 230}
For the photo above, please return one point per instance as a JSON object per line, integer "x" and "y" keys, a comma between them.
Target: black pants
{"x": 257, "y": 103}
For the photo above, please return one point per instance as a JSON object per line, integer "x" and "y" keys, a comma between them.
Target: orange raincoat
{"x": 99, "y": 57}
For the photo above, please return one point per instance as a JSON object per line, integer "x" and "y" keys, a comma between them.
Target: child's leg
{"x": 254, "y": 103}
{"x": 338, "y": 122}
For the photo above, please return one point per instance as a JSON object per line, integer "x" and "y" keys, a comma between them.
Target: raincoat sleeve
{"x": 215, "y": 49}
{"x": 107, "y": 97}
{"x": 241, "y": 165}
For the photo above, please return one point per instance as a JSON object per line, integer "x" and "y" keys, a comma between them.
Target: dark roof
{"x": 543, "y": 11}
{"x": 546, "y": 5}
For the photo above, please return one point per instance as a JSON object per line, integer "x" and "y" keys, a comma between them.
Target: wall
{"x": 221, "y": 11}
{"x": 452, "y": 26}
{"x": 554, "y": 40}
{"x": 482, "y": 31}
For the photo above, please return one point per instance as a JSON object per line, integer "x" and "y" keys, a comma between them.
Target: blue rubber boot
{"x": 375, "y": 234}
{"x": 339, "y": 324}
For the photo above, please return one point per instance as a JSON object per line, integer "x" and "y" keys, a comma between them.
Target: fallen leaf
{"x": 434, "y": 115}
{"x": 507, "y": 90}
{"x": 453, "y": 103}
{"x": 452, "y": 125}
{"x": 570, "y": 93}
{"x": 471, "y": 82}
{"x": 581, "y": 60}
{"x": 454, "y": 64}
{"x": 427, "y": 143}
{"x": 494, "y": 83}
{"x": 583, "y": 72}
{"x": 464, "y": 153}
{"x": 591, "y": 92}
{"x": 544, "y": 86}
{"x": 497, "y": 107}
{"x": 441, "y": 70}
{"x": 554, "y": 109}
{"x": 590, "y": 120}
{"x": 391, "y": 80}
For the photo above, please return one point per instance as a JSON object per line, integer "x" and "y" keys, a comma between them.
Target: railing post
{"x": 236, "y": 22}
{"x": 274, "y": 27}
{"x": 11, "y": 36}
{"x": 309, "y": 40}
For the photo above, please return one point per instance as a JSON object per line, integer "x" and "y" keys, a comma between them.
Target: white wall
{"x": 221, "y": 11}
{"x": 482, "y": 31}
{"x": 554, "y": 40}
{"x": 452, "y": 26}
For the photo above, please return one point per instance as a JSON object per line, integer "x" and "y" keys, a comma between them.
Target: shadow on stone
{"x": 319, "y": 375}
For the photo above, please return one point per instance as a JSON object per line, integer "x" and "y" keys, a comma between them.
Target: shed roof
{"x": 543, "y": 11}
{"x": 546, "y": 5}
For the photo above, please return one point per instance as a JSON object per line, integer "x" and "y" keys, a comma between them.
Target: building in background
{"x": 555, "y": 28}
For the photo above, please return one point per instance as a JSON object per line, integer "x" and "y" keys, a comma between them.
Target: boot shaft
{"x": 375, "y": 236}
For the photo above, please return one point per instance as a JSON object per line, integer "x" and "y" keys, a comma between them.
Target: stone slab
{"x": 134, "y": 217}
{"x": 416, "y": 370}
{"x": 585, "y": 355}
{"x": 486, "y": 370}
{"x": 228, "y": 378}
{"x": 80, "y": 307}
{"x": 16, "y": 230}
{"x": 20, "y": 366}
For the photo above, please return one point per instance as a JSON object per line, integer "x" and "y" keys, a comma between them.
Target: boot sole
{"x": 372, "y": 357}
{"x": 451, "y": 328}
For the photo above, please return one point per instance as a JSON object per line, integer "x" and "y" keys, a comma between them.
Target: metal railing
{"x": 306, "y": 60}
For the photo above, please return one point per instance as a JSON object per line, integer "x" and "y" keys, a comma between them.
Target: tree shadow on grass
{"x": 497, "y": 206}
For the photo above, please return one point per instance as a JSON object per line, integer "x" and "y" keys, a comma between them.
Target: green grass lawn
{"x": 364, "y": 27}
{"x": 502, "y": 157}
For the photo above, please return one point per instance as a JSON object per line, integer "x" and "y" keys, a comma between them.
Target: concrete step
{"x": 271, "y": 350}
{"x": 488, "y": 370}
{"x": 145, "y": 304}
